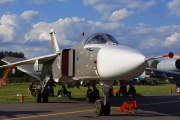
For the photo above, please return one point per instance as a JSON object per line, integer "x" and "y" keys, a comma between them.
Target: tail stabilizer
{"x": 55, "y": 47}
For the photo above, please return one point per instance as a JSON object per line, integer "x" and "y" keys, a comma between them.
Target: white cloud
{"x": 92, "y": 2}
{"x": 102, "y": 7}
{"x": 30, "y": 15}
{"x": 134, "y": 4}
{"x": 7, "y": 27}
{"x": 67, "y": 30}
{"x": 12, "y": 28}
{"x": 174, "y": 7}
{"x": 36, "y": 50}
{"x": 150, "y": 3}
{"x": 172, "y": 40}
{"x": 99, "y": 26}
{"x": 33, "y": 37}
{"x": 149, "y": 43}
{"x": 9, "y": 19}
{"x": 140, "y": 4}
{"x": 4, "y": 3}
{"x": 39, "y": 31}
{"x": 38, "y": 1}
{"x": 120, "y": 14}
{"x": 7, "y": 33}
{"x": 147, "y": 39}
{"x": 143, "y": 25}
{"x": 109, "y": 8}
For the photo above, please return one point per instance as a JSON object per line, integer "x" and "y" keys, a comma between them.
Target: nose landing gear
{"x": 102, "y": 106}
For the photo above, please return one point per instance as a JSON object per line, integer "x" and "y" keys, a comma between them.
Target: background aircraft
{"x": 99, "y": 57}
{"x": 140, "y": 79}
{"x": 168, "y": 69}
{"x": 143, "y": 79}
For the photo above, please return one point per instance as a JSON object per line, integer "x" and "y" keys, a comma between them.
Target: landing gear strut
{"x": 39, "y": 95}
{"x": 103, "y": 105}
{"x": 43, "y": 91}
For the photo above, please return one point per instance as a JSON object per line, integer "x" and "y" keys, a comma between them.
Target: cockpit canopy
{"x": 100, "y": 38}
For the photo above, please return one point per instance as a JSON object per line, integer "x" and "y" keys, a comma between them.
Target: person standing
{"x": 131, "y": 90}
{"x": 89, "y": 95}
{"x": 123, "y": 90}
{"x": 64, "y": 91}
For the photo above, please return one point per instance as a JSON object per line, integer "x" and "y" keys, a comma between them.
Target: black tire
{"x": 45, "y": 98}
{"x": 99, "y": 108}
{"x": 38, "y": 96}
{"x": 107, "y": 109}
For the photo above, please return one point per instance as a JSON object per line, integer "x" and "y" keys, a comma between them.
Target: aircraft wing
{"x": 12, "y": 61}
{"x": 27, "y": 65}
{"x": 164, "y": 73}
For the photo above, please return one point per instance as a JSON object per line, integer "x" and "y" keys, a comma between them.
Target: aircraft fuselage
{"x": 98, "y": 61}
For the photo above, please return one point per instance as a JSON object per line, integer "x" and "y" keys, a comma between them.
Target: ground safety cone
{"x": 21, "y": 97}
{"x": 171, "y": 90}
{"x": 128, "y": 106}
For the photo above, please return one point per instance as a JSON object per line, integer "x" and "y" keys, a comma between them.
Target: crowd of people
{"x": 92, "y": 94}
{"x": 123, "y": 91}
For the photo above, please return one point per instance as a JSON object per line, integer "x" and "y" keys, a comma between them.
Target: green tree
{"x": 1, "y": 56}
{"x": 154, "y": 63}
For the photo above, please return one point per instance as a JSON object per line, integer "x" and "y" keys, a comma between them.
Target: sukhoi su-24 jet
{"x": 99, "y": 57}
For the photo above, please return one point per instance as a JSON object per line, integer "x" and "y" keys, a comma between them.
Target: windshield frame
{"x": 111, "y": 38}
{"x": 104, "y": 38}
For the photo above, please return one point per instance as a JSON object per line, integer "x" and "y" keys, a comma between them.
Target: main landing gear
{"x": 103, "y": 105}
{"x": 42, "y": 91}
{"x": 39, "y": 95}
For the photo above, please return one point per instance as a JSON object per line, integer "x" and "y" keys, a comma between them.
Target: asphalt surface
{"x": 150, "y": 107}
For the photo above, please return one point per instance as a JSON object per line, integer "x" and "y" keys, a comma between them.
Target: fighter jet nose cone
{"x": 120, "y": 63}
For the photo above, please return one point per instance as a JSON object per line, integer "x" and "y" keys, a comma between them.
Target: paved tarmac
{"x": 150, "y": 107}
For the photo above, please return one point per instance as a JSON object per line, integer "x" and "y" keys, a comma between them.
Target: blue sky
{"x": 151, "y": 26}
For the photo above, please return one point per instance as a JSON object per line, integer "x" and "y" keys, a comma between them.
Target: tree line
{"x": 18, "y": 76}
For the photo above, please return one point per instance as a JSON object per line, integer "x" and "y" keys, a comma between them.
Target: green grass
{"x": 8, "y": 94}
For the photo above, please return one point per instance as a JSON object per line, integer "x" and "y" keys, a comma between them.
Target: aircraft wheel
{"x": 178, "y": 90}
{"x": 107, "y": 109}
{"x": 99, "y": 108}
{"x": 45, "y": 98}
{"x": 38, "y": 96}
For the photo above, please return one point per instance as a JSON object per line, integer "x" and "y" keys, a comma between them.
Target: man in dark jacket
{"x": 131, "y": 90}
{"x": 123, "y": 90}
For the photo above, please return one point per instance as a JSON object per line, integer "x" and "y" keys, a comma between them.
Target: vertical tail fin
{"x": 55, "y": 47}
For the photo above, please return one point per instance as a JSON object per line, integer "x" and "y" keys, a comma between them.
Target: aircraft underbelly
{"x": 133, "y": 73}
